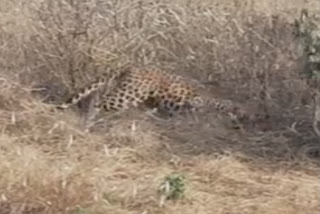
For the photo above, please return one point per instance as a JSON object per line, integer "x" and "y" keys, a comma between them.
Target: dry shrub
{"x": 239, "y": 50}
{"x": 237, "y": 54}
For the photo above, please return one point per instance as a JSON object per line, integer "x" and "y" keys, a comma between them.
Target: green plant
{"x": 307, "y": 30}
{"x": 81, "y": 210}
{"x": 173, "y": 187}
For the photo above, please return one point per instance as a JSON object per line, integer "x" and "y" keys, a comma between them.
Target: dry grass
{"x": 241, "y": 50}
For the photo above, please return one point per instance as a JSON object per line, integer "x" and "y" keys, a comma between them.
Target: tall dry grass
{"x": 240, "y": 50}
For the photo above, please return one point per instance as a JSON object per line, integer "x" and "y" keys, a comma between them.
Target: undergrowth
{"x": 245, "y": 51}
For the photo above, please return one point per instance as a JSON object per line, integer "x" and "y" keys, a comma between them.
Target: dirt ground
{"x": 239, "y": 50}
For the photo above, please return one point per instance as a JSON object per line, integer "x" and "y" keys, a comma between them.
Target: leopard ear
{"x": 198, "y": 101}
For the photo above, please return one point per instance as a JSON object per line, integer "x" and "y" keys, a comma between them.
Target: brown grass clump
{"x": 240, "y": 50}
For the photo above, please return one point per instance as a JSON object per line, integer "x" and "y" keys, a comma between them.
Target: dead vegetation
{"x": 240, "y": 50}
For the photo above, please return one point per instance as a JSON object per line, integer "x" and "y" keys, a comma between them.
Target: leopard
{"x": 167, "y": 92}
{"x": 135, "y": 86}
